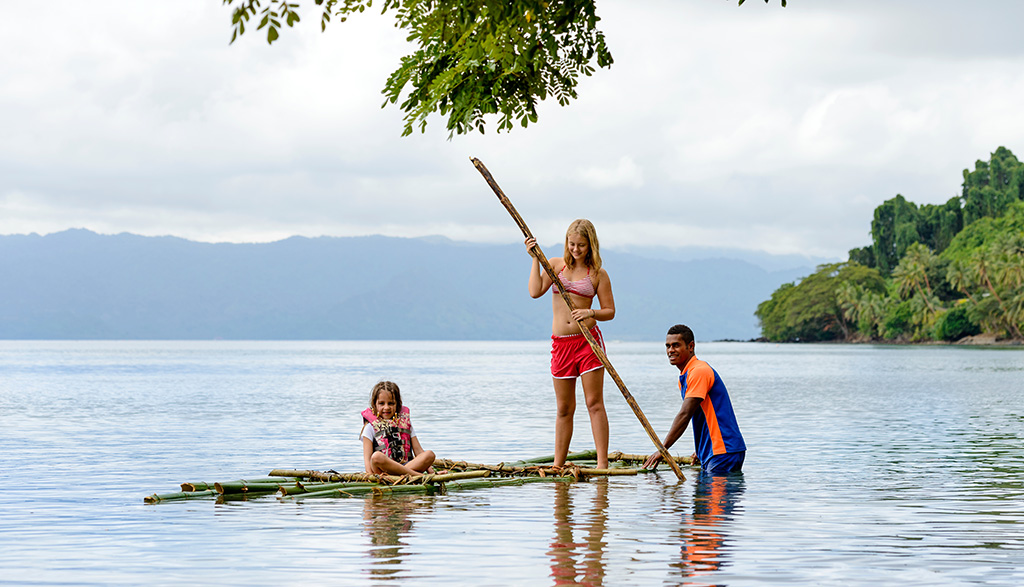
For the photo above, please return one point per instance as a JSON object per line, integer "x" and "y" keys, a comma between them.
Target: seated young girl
{"x": 389, "y": 442}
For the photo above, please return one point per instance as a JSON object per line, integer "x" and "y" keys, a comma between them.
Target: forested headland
{"x": 931, "y": 273}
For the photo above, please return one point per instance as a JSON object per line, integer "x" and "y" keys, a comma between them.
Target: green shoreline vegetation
{"x": 933, "y": 273}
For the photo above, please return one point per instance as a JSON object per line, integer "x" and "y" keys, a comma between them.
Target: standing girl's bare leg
{"x": 593, "y": 390}
{"x": 565, "y": 406}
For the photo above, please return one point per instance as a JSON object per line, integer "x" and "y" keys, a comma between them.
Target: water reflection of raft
{"x": 290, "y": 484}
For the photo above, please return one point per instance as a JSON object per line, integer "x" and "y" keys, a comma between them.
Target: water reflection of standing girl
{"x": 565, "y": 551}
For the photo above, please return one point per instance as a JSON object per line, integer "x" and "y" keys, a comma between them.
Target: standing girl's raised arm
{"x": 539, "y": 280}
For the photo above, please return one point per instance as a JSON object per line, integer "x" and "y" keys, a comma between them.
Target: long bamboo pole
{"x": 598, "y": 351}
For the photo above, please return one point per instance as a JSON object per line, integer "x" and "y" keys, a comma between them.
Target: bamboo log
{"x": 598, "y": 351}
{"x": 202, "y": 485}
{"x": 374, "y": 489}
{"x": 610, "y": 472}
{"x": 579, "y": 458}
{"x": 325, "y": 476}
{"x": 456, "y": 485}
{"x": 503, "y": 470}
{"x": 500, "y": 468}
{"x": 442, "y": 478}
{"x": 581, "y": 467}
{"x": 312, "y": 487}
{"x": 227, "y": 497}
{"x": 485, "y": 483}
{"x": 384, "y": 479}
{"x": 641, "y": 458}
{"x": 243, "y": 486}
{"x": 180, "y": 495}
{"x": 585, "y": 455}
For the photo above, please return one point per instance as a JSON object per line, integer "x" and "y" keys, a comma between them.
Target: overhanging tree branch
{"x": 474, "y": 57}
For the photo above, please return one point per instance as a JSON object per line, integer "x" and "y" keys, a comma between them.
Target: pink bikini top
{"x": 583, "y": 287}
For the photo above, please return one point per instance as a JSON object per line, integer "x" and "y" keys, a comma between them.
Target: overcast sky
{"x": 753, "y": 127}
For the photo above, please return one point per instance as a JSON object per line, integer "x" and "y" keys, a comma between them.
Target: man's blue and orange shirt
{"x": 715, "y": 430}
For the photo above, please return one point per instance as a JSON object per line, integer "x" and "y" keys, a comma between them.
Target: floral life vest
{"x": 393, "y": 436}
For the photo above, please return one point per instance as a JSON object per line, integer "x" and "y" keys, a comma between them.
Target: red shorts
{"x": 571, "y": 355}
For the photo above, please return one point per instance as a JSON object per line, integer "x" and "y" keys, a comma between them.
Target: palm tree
{"x": 997, "y": 269}
{"x": 911, "y": 275}
{"x": 872, "y": 313}
{"x": 1009, "y": 254}
{"x": 959, "y": 275}
{"x": 1008, "y": 273}
{"x": 848, "y": 297}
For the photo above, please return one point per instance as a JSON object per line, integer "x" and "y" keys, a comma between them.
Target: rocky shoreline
{"x": 977, "y": 340}
{"x": 988, "y": 340}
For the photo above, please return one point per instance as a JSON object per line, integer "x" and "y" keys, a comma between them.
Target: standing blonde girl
{"x": 580, "y": 274}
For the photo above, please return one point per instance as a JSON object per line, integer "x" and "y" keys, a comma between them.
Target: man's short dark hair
{"x": 683, "y": 331}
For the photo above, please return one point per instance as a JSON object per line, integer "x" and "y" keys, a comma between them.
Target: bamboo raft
{"x": 291, "y": 484}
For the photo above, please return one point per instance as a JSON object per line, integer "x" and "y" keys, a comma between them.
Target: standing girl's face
{"x": 578, "y": 246}
{"x": 385, "y": 404}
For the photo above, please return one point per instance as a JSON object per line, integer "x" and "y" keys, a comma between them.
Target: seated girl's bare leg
{"x": 382, "y": 463}
{"x": 593, "y": 390}
{"x": 422, "y": 461}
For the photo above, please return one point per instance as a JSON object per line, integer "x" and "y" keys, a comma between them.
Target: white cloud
{"x": 624, "y": 173}
{"x": 756, "y": 127}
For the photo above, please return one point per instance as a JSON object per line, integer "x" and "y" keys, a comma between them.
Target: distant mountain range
{"x": 78, "y": 284}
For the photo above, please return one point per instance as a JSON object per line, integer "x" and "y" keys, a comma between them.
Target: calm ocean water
{"x": 866, "y": 465}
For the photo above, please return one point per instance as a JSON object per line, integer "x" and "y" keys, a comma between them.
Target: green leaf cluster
{"x": 473, "y": 58}
{"x": 946, "y": 271}
{"x": 490, "y": 57}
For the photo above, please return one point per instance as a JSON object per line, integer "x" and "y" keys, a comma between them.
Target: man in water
{"x": 716, "y": 434}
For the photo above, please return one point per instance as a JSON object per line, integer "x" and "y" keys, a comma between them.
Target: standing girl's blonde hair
{"x": 584, "y": 228}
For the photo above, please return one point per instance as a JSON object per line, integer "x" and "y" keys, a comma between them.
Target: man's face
{"x": 678, "y": 351}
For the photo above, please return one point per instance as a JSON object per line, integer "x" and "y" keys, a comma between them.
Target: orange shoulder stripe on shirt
{"x": 717, "y": 442}
{"x": 700, "y": 377}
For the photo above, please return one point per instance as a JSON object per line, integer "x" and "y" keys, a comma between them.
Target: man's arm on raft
{"x": 679, "y": 424}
